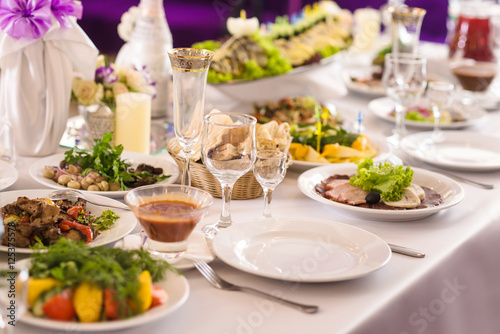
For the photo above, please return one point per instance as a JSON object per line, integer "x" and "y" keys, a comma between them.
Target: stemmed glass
{"x": 228, "y": 152}
{"x": 190, "y": 69}
{"x": 269, "y": 170}
{"x": 404, "y": 81}
{"x": 440, "y": 95}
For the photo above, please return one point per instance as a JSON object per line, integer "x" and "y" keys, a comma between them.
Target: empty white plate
{"x": 301, "y": 249}
{"x": 458, "y": 150}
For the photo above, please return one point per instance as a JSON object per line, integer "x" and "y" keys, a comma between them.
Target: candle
{"x": 133, "y": 122}
{"x": 367, "y": 29}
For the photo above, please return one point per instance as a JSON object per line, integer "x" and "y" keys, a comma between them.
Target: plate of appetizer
{"x": 8, "y": 175}
{"x": 32, "y": 222}
{"x": 458, "y": 150}
{"x": 317, "y": 133}
{"x": 278, "y": 249}
{"x": 107, "y": 171}
{"x": 381, "y": 192}
{"x": 420, "y": 116}
{"x": 93, "y": 296}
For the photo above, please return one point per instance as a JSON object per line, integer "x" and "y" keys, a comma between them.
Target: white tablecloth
{"x": 454, "y": 289}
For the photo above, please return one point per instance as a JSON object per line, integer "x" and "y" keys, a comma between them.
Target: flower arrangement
{"x": 33, "y": 18}
{"x": 110, "y": 81}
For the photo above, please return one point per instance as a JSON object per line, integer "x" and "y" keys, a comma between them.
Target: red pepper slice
{"x": 66, "y": 225}
{"x": 74, "y": 211}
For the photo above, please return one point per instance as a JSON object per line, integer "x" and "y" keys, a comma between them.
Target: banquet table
{"x": 454, "y": 289}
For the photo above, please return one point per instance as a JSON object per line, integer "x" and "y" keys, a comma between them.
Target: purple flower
{"x": 25, "y": 18}
{"x": 106, "y": 75}
{"x": 62, "y": 9}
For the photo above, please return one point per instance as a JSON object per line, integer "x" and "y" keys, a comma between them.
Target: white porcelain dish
{"x": 382, "y": 107}
{"x": 451, "y": 191}
{"x": 457, "y": 150}
{"x": 301, "y": 249}
{"x": 175, "y": 285}
{"x": 8, "y": 175}
{"x": 316, "y": 80}
{"x": 169, "y": 168}
{"x": 383, "y": 148}
{"x": 123, "y": 226}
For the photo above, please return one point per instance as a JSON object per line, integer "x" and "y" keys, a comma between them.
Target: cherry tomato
{"x": 160, "y": 296}
{"x": 60, "y": 307}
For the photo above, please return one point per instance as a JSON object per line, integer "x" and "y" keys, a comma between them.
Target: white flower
{"x": 238, "y": 26}
{"x": 86, "y": 92}
{"x": 127, "y": 22}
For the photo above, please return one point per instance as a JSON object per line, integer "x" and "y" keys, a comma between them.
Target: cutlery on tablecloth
{"x": 406, "y": 251}
{"x": 395, "y": 160}
{"x": 72, "y": 195}
{"x": 214, "y": 279}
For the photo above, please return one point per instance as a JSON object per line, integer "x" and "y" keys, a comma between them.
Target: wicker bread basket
{"x": 246, "y": 187}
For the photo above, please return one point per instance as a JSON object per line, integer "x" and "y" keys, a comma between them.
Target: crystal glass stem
{"x": 400, "y": 130}
{"x": 268, "y": 196}
{"x": 186, "y": 175}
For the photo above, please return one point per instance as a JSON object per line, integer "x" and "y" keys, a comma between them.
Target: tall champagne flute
{"x": 440, "y": 95}
{"x": 404, "y": 81}
{"x": 228, "y": 152}
{"x": 190, "y": 69}
{"x": 269, "y": 170}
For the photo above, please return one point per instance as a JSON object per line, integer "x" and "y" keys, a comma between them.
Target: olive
{"x": 372, "y": 198}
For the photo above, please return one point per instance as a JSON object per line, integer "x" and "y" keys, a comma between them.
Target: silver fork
{"x": 219, "y": 283}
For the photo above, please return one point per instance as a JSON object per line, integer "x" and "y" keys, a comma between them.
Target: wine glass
{"x": 269, "y": 170}
{"x": 404, "y": 82}
{"x": 440, "y": 95}
{"x": 228, "y": 152}
{"x": 190, "y": 70}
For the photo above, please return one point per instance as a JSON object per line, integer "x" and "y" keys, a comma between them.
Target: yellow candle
{"x": 133, "y": 122}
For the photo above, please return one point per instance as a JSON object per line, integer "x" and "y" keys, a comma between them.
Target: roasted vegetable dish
{"x": 73, "y": 282}
{"x": 41, "y": 222}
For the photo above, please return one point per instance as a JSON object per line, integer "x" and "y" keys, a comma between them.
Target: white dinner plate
{"x": 458, "y": 150}
{"x": 383, "y": 148}
{"x": 123, "y": 225}
{"x": 169, "y": 168}
{"x": 8, "y": 175}
{"x": 301, "y": 249}
{"x": 175, "y": 285}
{"x": 382, "y": 107}
{"x": 451, "y": 192}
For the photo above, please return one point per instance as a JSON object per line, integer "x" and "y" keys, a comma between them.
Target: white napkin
{"x": 35, "y": 84}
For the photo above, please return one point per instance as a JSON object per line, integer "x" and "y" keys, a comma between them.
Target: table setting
{"x": 261, "y": 201}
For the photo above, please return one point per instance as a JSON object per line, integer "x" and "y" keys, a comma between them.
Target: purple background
{"x": 197, "y": 20}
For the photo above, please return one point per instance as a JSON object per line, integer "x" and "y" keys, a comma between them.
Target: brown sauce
{"x": 475, "y": 78}
{"x": 173, "y": 222}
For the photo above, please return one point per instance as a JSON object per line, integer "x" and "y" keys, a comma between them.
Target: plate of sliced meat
{"x": 32, "y": 222}
{"x": 428, "y": 194}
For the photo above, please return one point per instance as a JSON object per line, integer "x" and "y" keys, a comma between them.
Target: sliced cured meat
{"x": 353, "y": 196}
{"x": 335, "y": 183}
{"x": 334, "y": 193}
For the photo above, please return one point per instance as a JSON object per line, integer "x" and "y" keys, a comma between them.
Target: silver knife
{"x": 406, "y": 251}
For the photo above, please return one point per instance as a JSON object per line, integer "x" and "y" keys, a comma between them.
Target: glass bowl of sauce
{"x": 168, "y": 214}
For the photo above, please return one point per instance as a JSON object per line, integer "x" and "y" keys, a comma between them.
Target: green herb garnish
{"x": 106, "y": 160}
{"x": 105, "y": 220}
{"x": 385, "y": 178}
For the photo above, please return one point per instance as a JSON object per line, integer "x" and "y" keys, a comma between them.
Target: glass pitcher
{"x": 473, "y": 37}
